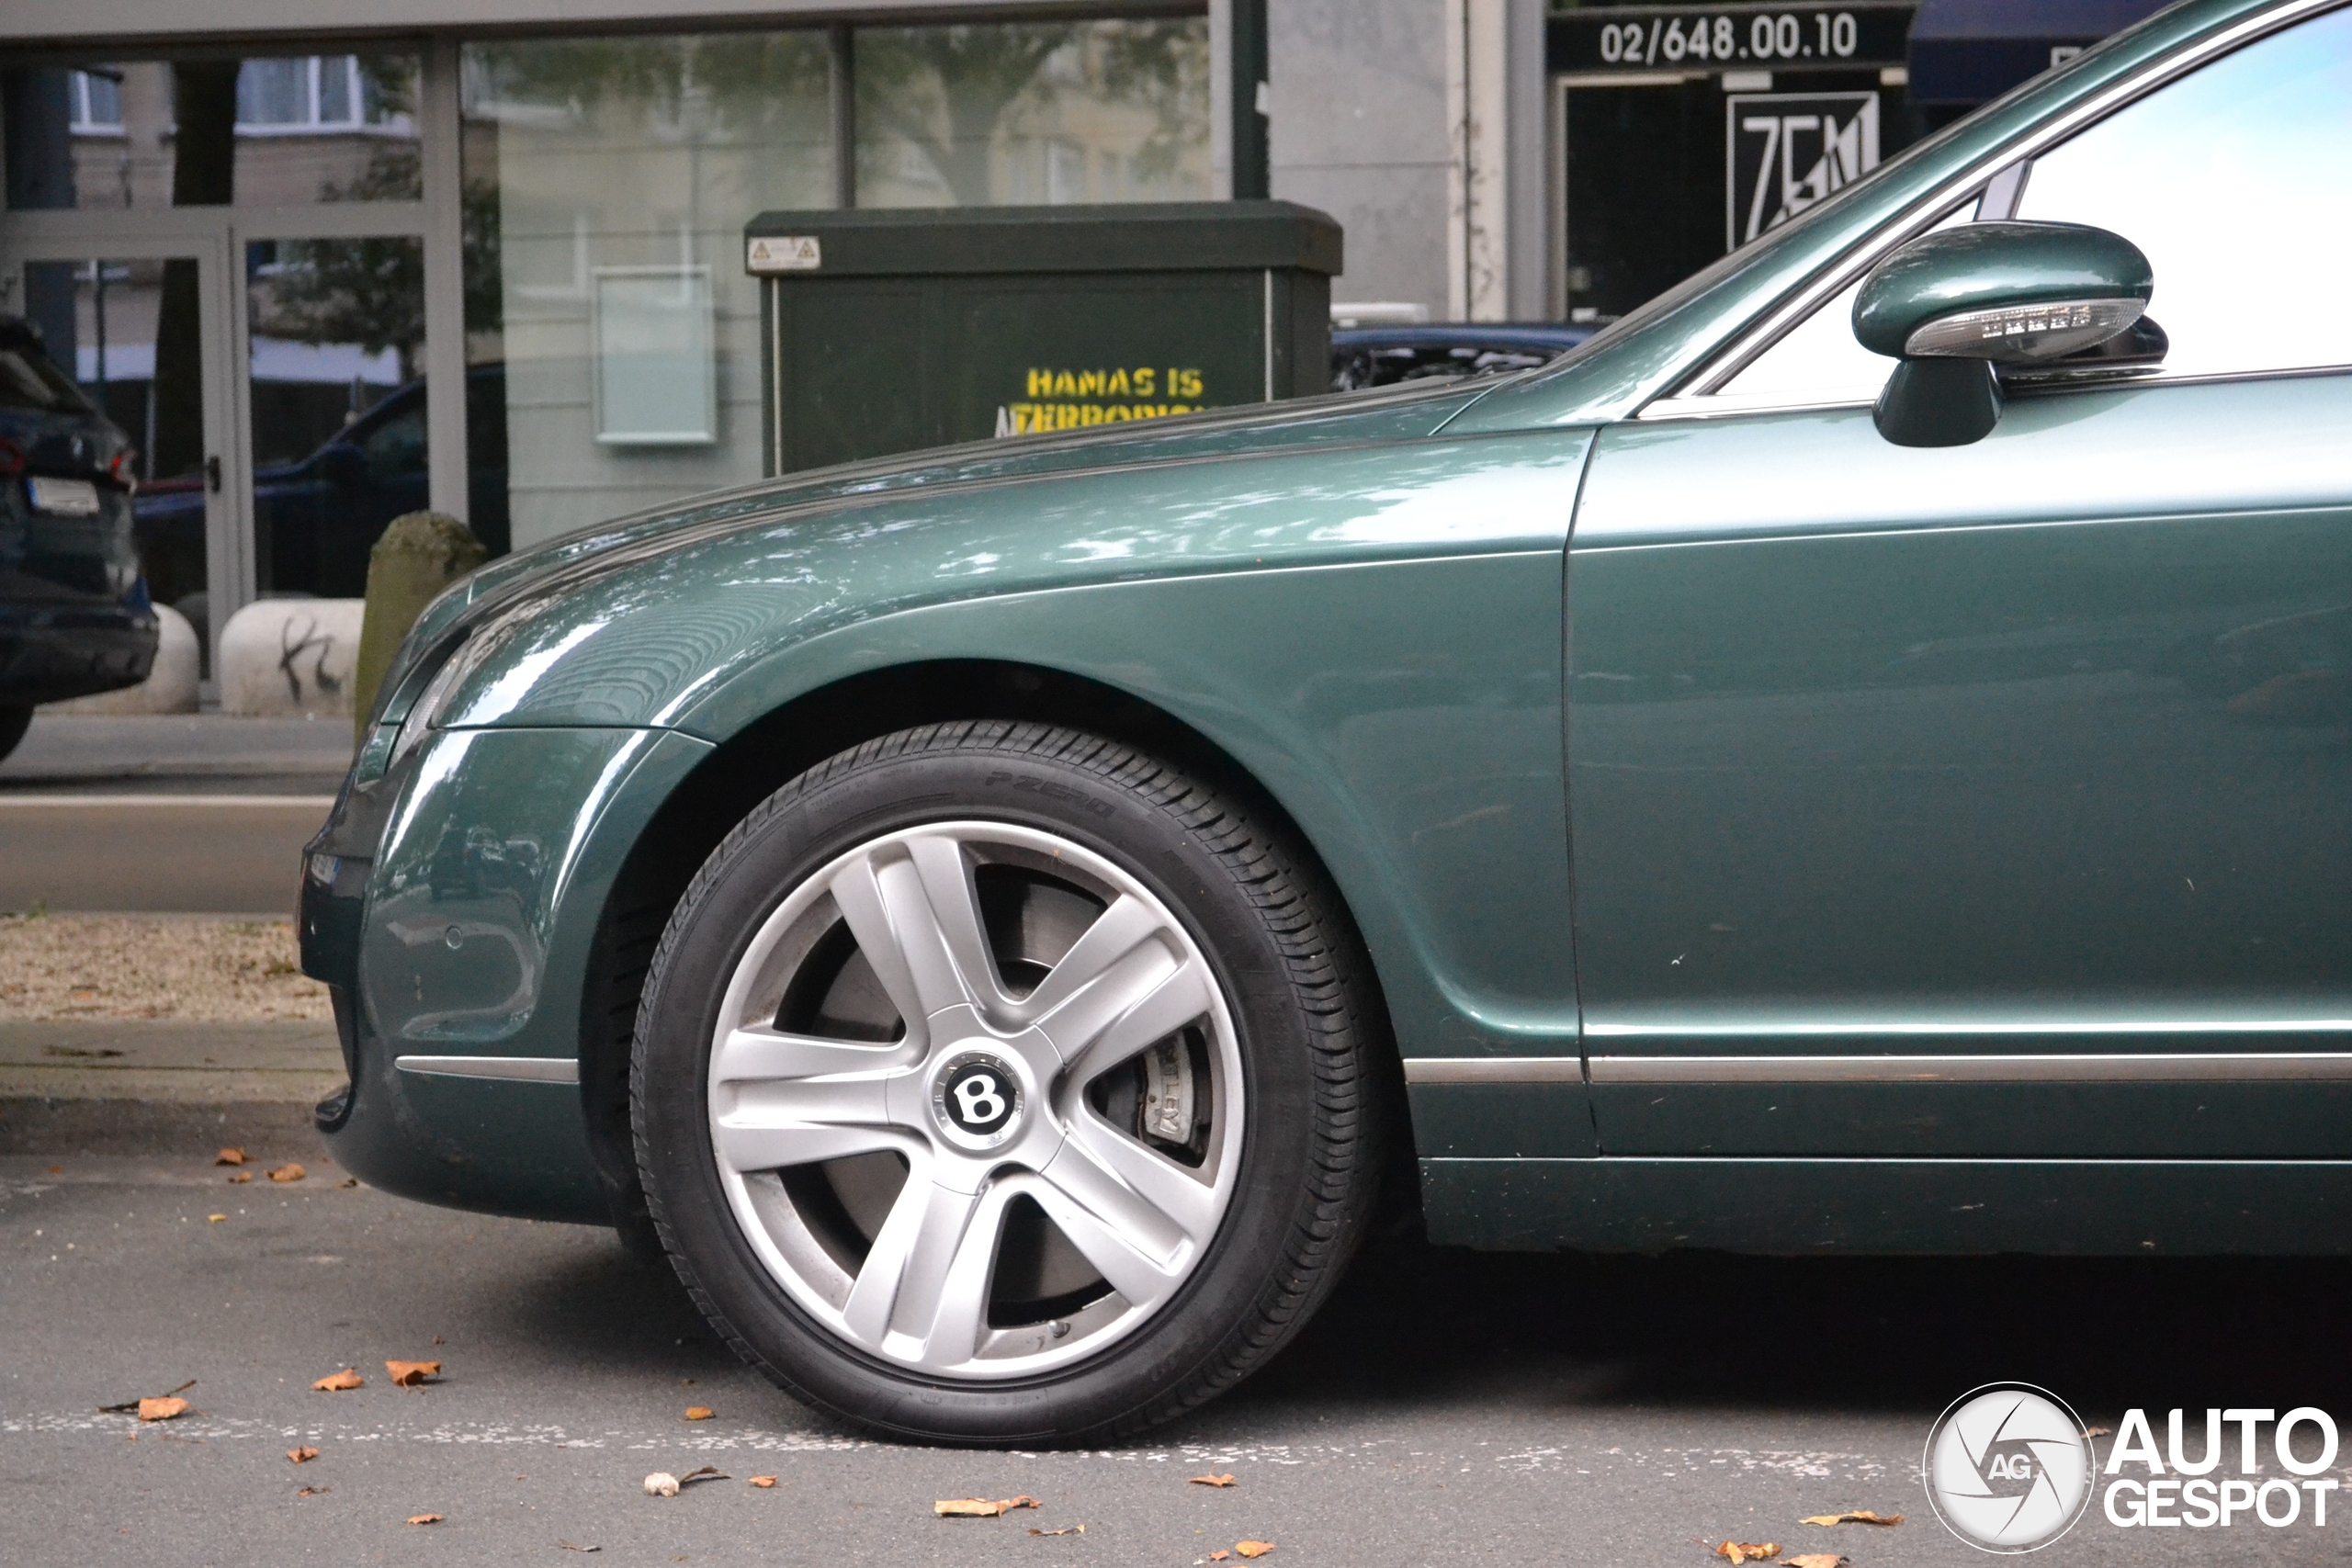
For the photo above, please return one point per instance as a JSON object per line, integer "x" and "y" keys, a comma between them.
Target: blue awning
{"x": 1965, "y": 52}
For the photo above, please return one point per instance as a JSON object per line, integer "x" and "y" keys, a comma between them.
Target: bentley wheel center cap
{"x": 976, "y": 1099}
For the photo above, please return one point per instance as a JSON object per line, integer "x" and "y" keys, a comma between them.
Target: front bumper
{"x": 452, "y": 906}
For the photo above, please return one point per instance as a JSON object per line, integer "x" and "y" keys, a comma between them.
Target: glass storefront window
{"x": 335, "y": 348}
{"x": 592, "y": 166}
{"x": 1032, "y": 113}
{"x": 275, "y": 131}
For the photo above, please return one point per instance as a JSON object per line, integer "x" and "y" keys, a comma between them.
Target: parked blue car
{"x": 1382, "y": 357}
{"x": 314, "y": 521}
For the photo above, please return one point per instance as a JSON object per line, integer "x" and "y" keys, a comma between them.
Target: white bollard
{"x": 170, "y": 686}
{"x": 286, "y": 658}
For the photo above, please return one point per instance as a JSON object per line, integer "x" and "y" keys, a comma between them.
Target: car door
{"x": 1996, "y": 800}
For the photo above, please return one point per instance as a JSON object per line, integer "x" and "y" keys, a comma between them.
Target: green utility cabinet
{"x": 891, "y": 330}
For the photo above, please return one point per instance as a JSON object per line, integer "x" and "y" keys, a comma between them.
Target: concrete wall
{"x": 1420, "y": 126}
{"x": 1359, "y": 130}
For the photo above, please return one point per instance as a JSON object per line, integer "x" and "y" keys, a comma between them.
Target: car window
{"x": 1819, "y": 361}
{"x": 397, "y": 445}
{"x": 2236, "y": 181}
{"x": 29, "y": 381}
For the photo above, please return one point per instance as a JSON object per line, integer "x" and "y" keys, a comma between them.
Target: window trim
{"x": 1697, "y": 395}
{"x": 81, "y": 118}
{"x": 314, "y": 94}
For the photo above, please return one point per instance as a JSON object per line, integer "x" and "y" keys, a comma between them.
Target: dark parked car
{"x": 74, "y": 612}
{"x": 1380, "y": 356}
{"x": 315, "y": 521}
{"x": 997, "y": 918}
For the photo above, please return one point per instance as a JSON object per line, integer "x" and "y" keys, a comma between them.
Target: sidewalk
{"x": 159, "y": 1036}
{"x": 164, "y": 1088}
{"x": 202, "y": 754}
{"x": 196, "y": 813}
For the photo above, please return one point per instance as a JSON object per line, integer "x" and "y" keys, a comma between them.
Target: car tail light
{"x": 12, "y": 458}
{"x": 123, "y": 469}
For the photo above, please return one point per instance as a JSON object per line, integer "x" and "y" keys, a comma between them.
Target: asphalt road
{"x": 231, "y": 854}
{"x": 1448, "y": 1408}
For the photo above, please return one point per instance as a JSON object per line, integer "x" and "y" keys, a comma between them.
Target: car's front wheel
{"x": 999, "y": 1083}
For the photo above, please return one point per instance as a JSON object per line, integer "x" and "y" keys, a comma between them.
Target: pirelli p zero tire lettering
{"x": 999, "y": 1083}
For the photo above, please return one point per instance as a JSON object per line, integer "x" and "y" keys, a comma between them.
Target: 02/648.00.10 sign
{"x": 1644, "y": 38}
{"x": 1784, "y": 152}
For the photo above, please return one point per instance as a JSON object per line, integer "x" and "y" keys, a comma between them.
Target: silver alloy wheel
{"x": 976, "y": 1099}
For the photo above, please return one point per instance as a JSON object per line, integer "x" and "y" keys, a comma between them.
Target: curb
{"x": 39, "y": 1125}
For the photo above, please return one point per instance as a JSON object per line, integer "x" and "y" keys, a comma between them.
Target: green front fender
{"x": 1405, "y": 714}
{"x": 480, "y": 916}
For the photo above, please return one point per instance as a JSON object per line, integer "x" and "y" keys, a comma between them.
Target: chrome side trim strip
{"x": 513, "y": 1070}
{"x": 2218, "y": 1067}
{"x": 1493, "y": 1069}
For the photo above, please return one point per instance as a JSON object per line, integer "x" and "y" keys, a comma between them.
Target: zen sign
{"x": 1784, "y": 152}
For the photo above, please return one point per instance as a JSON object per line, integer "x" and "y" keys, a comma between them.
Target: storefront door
{"x": 267, "y": 364}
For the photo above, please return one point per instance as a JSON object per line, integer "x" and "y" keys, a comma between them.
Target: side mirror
{"x": 342, "y": 465}
{"x": 1953, "y": 304}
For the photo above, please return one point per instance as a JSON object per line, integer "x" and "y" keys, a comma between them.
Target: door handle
{"x": 212, "y": 473}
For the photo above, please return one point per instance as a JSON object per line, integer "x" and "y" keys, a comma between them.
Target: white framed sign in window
{"x": 656, "y": 368}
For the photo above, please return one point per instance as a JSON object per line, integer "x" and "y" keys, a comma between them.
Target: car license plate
{"x": 72, "y": 498}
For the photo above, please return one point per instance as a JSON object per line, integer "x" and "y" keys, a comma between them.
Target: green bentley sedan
{"x": 1856, "y": 755}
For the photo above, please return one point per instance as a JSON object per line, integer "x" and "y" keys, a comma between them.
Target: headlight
{"x": 424, "y": 714}
{"x": 402, "y": 723}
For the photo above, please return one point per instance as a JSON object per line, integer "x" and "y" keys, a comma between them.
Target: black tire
{"x": 14, "y": 722}
{"x": 1282, "y": 955}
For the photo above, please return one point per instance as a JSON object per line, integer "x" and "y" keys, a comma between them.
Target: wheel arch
{"x": 798, "y": 734}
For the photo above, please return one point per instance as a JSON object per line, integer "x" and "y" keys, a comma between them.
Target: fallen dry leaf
{"x": 164, "y": 1409}
{"x": 1748, "y": 1550}
{"x": 214, "y": 1219}
{"x": 661, "y": 1484}
{"x": 707, "y": 1472}
{"x": 764, "y": 1480}
{"x": 288, "y": 1172}
{"x": 242, "y": 1176}
{"x": 335, "y": 1382}
{"x": 230, "y": 1156}
{"x": 575, "y": 1546}
{"x": 699, "y": 1413}
{"x": 1853, "y": 1517}
{"x": 981, "y": 1507}
{"x": 130, "y": 1406}
{"x": 303, "y": 1455}
{"x": 1219, "y": 1556}
{"x": 353, "y": 1181}
{"x": 408, "y": 1374}
{"x": 1253, "y": 1548}
{"x": 1814, "y": 1560}
{"x": 424, "y": 1518}
{"x": 1225, "y": 1479}
{"x": 1066, "y": 1529}
{"x": 315, "y": 1491}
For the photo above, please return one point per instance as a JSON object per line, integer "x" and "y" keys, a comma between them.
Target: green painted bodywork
{"x": 2031, "y": 745}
